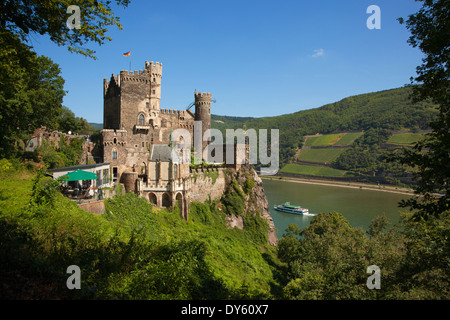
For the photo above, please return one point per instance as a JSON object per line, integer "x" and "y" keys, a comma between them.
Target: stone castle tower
{"x": 137, "y": 132}
{"x": 133, "y": 121}
{"x": 203, "y": 113}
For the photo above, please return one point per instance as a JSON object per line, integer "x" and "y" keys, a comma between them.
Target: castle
{"x": 136, "y": 136}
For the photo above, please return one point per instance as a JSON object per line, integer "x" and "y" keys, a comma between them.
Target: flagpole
{"x": 128, "y": 54}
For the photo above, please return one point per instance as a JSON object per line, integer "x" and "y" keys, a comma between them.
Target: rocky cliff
{"x": 255, "y": 201}
{"x": 240, "y": 192}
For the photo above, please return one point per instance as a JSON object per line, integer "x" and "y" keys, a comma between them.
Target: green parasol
{"x": 79, "y": 175}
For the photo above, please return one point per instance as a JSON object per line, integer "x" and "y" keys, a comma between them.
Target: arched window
{"x": 179, "y": 199}
{"x": 141, "y": 120}
{"x": 166, "y": 200}
{"x": 152, "y": 198}
{"x": 114, "y": 154}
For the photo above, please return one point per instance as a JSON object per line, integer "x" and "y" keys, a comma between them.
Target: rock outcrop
{"x": 255, "y": 201}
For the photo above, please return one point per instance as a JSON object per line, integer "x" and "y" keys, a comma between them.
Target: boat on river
{"x": 289, "y": 208}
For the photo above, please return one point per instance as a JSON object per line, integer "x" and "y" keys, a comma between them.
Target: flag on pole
{"x": 127, "y": 53}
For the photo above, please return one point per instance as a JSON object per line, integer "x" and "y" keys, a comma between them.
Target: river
{"x": 358, "y": 206}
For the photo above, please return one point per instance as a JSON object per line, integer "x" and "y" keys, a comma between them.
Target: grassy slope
{"x": 132, "y": 251}
{"x": 329, "y": 154}
{"x": 312, "y": 170}
{"x": 348, "y": 138}
{"x": 405, "y": 138}
{"x": 324, "y": 155}
{"x": 324, "y": 141}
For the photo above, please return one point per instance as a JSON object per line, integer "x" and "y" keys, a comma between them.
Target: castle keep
{"x": 137, "y": 132}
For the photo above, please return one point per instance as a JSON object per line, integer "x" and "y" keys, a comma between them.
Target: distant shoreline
{"x": 351, "y": 185}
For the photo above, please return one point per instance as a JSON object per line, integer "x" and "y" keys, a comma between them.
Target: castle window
{"x": 114, "y": 154}
{"x": 146, "y": 105}
{"x": 154, "y": 79}
{"x": 115, "y": 174}
{"x": 153, "y": 91}
{"x": 141, "y": 120}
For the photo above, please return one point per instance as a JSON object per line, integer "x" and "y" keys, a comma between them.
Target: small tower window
{"x": 141, "y": 120}
{"x": 114, "y": 154}
{"x": 146, "y": 105}
{"x": 153, "y": 91}
{"x": 154, "y": 79}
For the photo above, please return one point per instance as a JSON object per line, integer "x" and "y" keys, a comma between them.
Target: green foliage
{"x": 328, "y": 259}
{"x": 5, "y": 165}
{"x": 233, "y": 199}
{"x": 44, "y": 190}
{"x": 372, "y": 138}
{"x": 249, "y": 183}
{"x": 324, "y": 141}
{"x": 31, "y": 93}
{"x": 430, "y": 157}
{"x": 133, "y": 251}
{"x": 367, "y": 157}
{"x": 389, "y": 109}
{"x": 67, "y": 154}
{"x": 348, "y": 138}
{"x": 67, "y": 121}
{"x": 257, "y": 227}
{"x": 25, "y": 18}
{"x": 428, "y": 257}
{"x": 312, "y": 170}
{"x": 213, "y": 175}
{"x": 324, "y": 155}
{"x": 405, "y": 138}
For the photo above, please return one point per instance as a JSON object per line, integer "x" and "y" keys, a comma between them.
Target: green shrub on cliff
{"x": 133, "y": 251}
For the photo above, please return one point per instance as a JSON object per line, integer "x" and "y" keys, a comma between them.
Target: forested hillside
{"x": 389, "y": 109}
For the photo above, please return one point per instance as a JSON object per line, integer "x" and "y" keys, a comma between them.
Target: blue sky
{"x": 257, "y": 58}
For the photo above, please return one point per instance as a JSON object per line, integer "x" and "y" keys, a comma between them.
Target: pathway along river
{"x": 358, "y": 206}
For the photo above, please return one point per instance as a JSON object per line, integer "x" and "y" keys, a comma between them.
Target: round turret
{"x": 203, "y": 112}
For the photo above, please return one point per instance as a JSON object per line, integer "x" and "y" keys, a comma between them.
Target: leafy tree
{"x": 429, "y": 29}
{"x": 31, "y": 88}
{"x": 49, "y": 17}
{"x": 31, "y": 92}
{"x": 425, "y": 270}
{"x": 328, "y": 260}
{"x": 366, "y": 155}
{"x": 67, "y": 121}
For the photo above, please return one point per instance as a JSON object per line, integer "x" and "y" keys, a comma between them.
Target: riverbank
{"x": 352, "y": 185}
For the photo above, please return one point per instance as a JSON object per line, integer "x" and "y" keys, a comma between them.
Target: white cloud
{"x": 318, "y": 53}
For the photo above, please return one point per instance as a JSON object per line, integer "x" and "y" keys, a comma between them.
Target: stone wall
{"x": 207, "y": 183}
{"x": 97, "y": 207}
{"x": 212, "y": 183}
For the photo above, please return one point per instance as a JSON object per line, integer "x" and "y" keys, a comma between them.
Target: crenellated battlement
{"x": 202, "y": 94}
{"x": 202, "y": 98}
{"x": 154, "y": 68}
{"x": 112, "y": 84}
